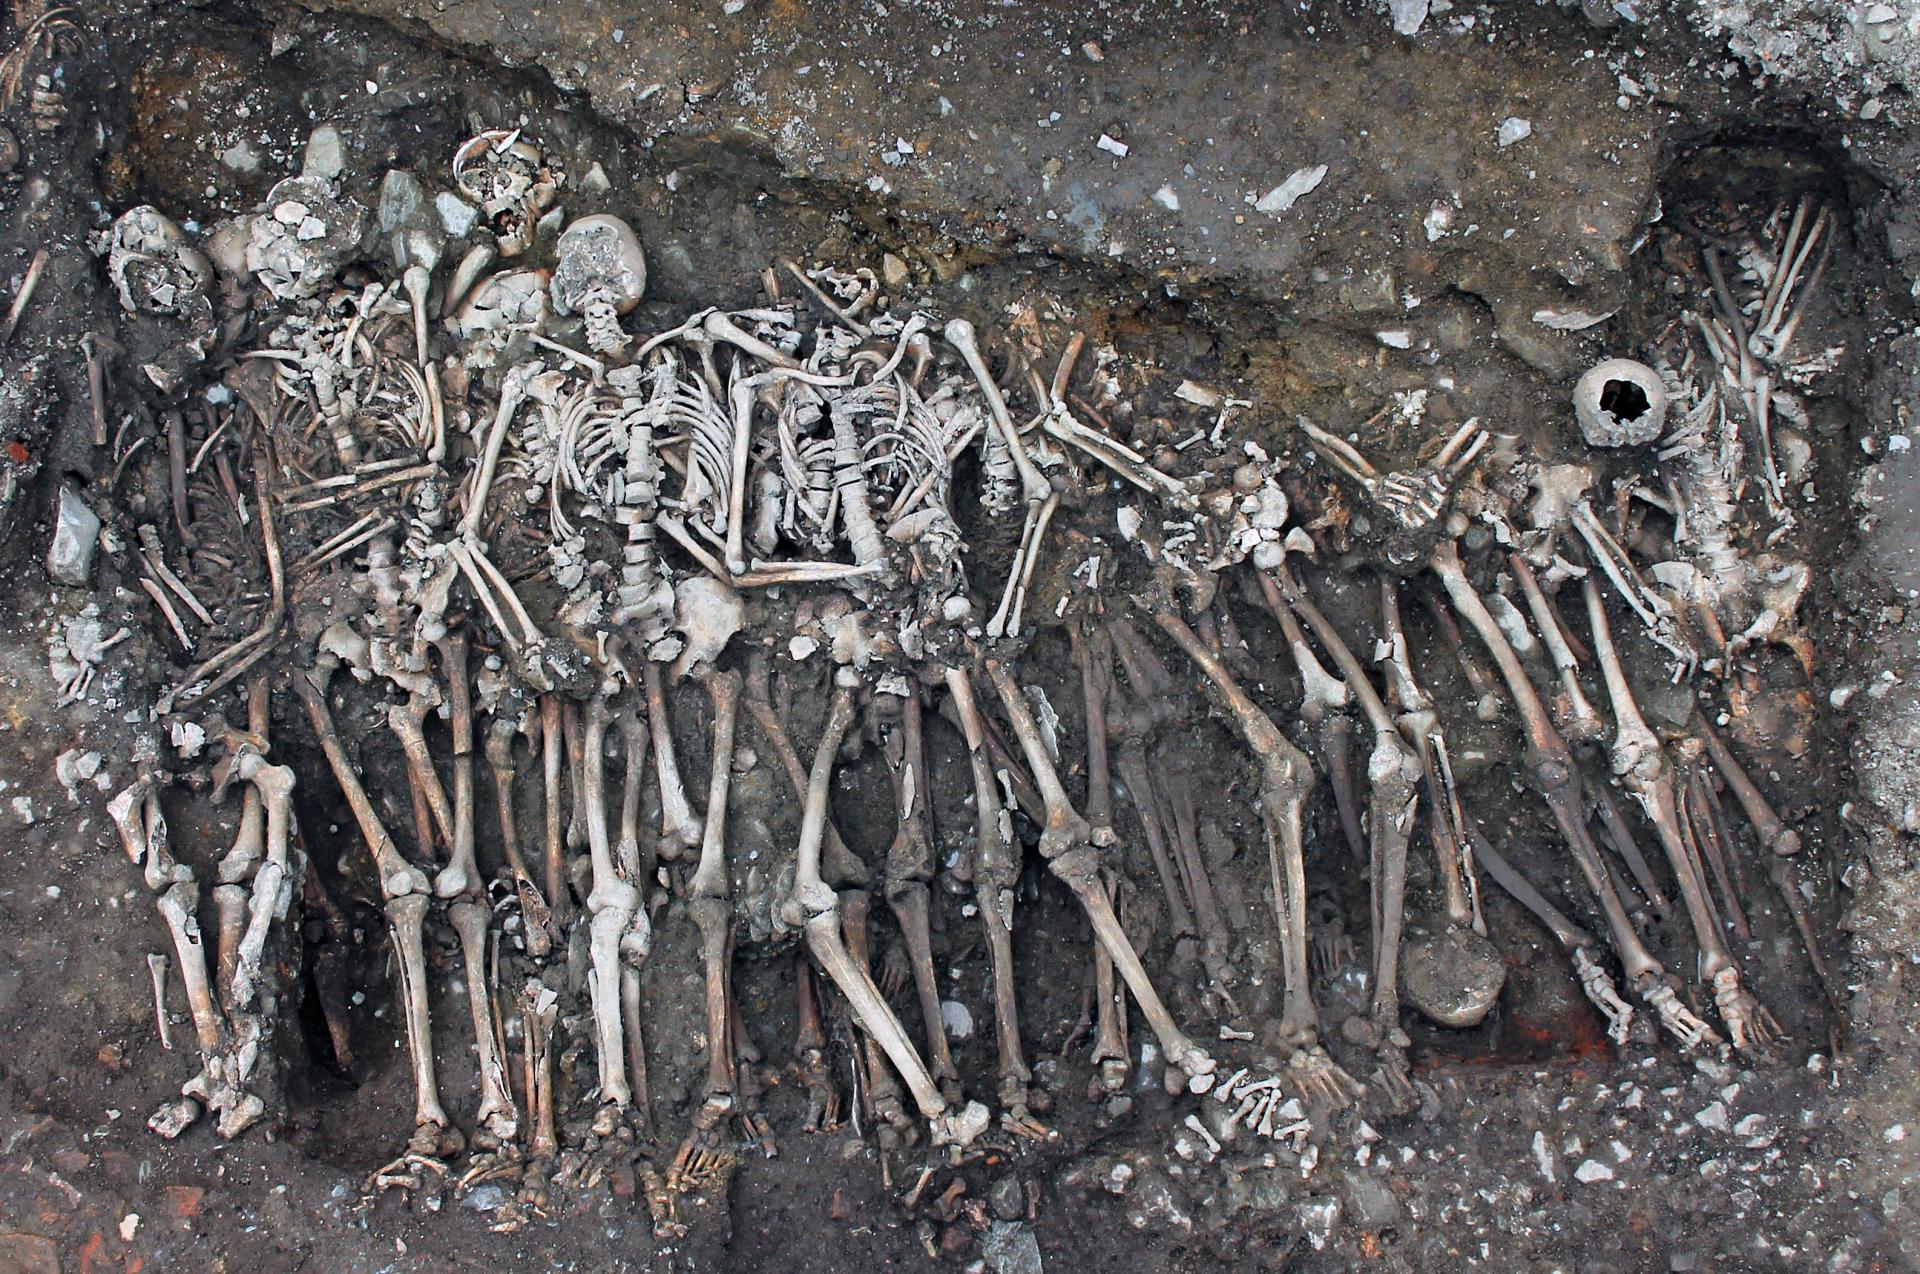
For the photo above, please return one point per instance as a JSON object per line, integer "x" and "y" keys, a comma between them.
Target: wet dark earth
{"x": 1509, "y": 195}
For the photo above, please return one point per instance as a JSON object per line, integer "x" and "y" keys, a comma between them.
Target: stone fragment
{"x": 76, "y": 531}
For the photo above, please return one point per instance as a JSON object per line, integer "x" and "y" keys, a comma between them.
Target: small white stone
{"x": 1896, "y": 1133}
{"x": 456, "y": 214}
{"x": 1591, "y": 1171}
{"x": 1514, "y": 129}
{"x": 956, "y": 1019}
{"x": 1301, "y": 181}
{"x": 1167, "y": 198}
{"x": 1543, "y": 1155}
{"x": 1112, "y": 146}
{"x": 1898, "y": 442}
{"x": 1713, "y": 1118}
{"x": 1398, "y": 338}
{"x": 128, "y": 1224}
{"x": 801, "y": 647}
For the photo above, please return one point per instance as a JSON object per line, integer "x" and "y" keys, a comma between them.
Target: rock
{"x": 1318, "y": 1217}
{"x": 1408, "y": 17}
{"x": 76, "y": 531}
{"x": 1713, "y": 1118}
{"x": 1369, "y": 1202}
{"x": 1514, "y": 129}
{"x": 1454, "y": 977}
{"x": 1301, "y": 182}
{"x": 1592, "y": 1172}
{"x": 484, "y": 1198}
{"x": 1156, "y": 1204}
{"x": 893, "y": 271}
{"x": 1011, "y": 1248}
{"x": 456, "y": 214}
{"x": 957, "y": 1019}
{"x": 401, "y": 199}
{"x": 1006, "y": 1198}
{"x": 326, "y": 154}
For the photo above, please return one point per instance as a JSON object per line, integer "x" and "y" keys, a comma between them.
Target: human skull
{"x": 505, "y": 173}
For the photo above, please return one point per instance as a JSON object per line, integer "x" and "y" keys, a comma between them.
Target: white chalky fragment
{"x": 1592, "y": 1171}
{"x": 1111, "y": 146}
{"x": 1287, "y": 193}
{"x": 1515, "y": 129}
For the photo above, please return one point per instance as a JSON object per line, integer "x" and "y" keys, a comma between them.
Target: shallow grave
{"x": 788, "y": 637}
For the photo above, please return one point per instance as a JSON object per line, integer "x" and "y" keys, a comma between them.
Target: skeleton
{"x": 1412, "y": 501}
{"x": 407, "y": 893}
{"x": 814, "y": 908}
{"x": 1285, "y": 779}
{"x": 1553, "y": 774}
{"x": 1641, "y": 764}
{"x": 804, "y": 455}
{"x": 1393, "y": 771}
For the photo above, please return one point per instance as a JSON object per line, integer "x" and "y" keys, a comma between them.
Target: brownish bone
{"x": 810, "y": 1053}
{"x": 1392, "y": 769}
{"x": 554, "y": 856}
{"x": 813, "y": 907}
{"x": 1643, "y": 766}
{"x": 540, "y": 931}
{"x": 883, "y": 1090}
{"x": 679, "y": 826}
{"x": 1484, "y": 689}
{"x": 1568, "y": 934}
{"x": 838, "y": 864}
{"x": 409, "y": 721}
{"x": 1133, "y": 772}
{"x": 709, "y": 892}
{"x": 1064, "y": 845}
{"x": 1703, "y": 773}
{"x": 908, "y": 871}
{"x": 1095, "y": 658}
{"x": 1706, "y": 836}
{"x": 1286, "y": 777}
{"x": 1336, "y": 750}
{"x": 1775, "y": 836}
{"x": 1215, "y": 935}
{"x": 574, "y": 735}
{"x": 995, "y": 872}
{"x": 1153, "y": 685}
{"x": 1110, "y": 1020}
{"x": 1620, "y": 836}
{"x": 406, "y": 891}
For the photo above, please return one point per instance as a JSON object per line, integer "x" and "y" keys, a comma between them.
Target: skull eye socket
{"x": 1624, "y": 400}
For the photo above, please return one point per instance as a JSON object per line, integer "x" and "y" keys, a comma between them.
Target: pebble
{"x": 326, "y": 154}
{"x": 1713, "y": 1118}
{"x": 1302, "y": 181}
{"x": 893, "y": 271}
{"x": 1409, "y": 16}
{"x": 1112, "y": 146}
{"x": 1591, "y": 1171}
{"x": 1514, "y": 129}
{"x": 484, "y": 1198}
{"x": 76, "y": 531}
{"x": 1011, "y": 1248}
{"x": 957, "y": 1019}
{"x": 1006, "y": 1198}
{"x": 1318, "y": 1218}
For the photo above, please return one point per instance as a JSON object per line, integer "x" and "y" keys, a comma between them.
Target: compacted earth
{"x": 1254, "y": 213}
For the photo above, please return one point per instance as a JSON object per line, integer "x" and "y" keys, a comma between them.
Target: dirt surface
{"x": 1107, "y": 171}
